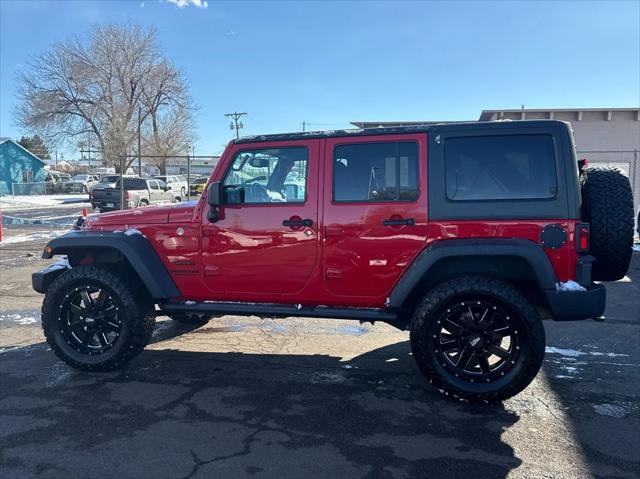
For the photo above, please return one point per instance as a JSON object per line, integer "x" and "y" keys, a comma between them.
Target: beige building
{"x": 605, "y": 136}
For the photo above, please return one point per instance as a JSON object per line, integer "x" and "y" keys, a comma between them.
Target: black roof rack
{"x": 395, "y": 130}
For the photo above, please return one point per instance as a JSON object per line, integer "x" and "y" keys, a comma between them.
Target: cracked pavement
{"x": 298, "y": 397}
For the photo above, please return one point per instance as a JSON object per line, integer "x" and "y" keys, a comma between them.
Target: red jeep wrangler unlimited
{"x": 465, "y": 234}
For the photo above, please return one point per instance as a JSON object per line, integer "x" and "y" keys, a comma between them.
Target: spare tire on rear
{"x": 607, "y": 205}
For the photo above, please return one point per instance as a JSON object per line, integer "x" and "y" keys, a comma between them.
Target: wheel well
{"x": 110, "y": 258}
{"x": 511, "y": 268}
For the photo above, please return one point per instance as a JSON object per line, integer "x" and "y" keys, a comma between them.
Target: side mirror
{"x": 214, "y": 194}
{"x": 214, "y": 198}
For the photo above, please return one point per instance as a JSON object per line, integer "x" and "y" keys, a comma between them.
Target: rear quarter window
{"x": 133, "y": 184}
{"x": 499, "y": 167}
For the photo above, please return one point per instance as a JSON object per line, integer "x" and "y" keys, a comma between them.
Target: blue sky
{"x": 332, "y": 62}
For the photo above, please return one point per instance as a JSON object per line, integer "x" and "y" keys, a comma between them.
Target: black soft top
{"x": 398, "y": 130}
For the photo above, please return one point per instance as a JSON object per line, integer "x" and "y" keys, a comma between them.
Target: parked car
{"x": 177, "y": 183}
{"x": 81, "y": 183}
{"x": 467, "y": 235}
{"x": 137, "y": 192}
{"x": 198, "y": 185}
{"x": 55, "y": 181}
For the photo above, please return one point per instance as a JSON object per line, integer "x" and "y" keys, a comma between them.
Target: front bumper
{"x": 573, "y": 305}
{"x": 41, "y": 280}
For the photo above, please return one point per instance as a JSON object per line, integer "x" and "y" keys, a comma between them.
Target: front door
{"x": 375, "y": 212}
{"x": 266, "y": 241}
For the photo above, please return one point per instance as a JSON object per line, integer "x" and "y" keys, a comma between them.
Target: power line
{"x": 235, "y": 124}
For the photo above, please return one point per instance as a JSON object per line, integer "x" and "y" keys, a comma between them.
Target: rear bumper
{"x": 41, "y": 280}
{"x": 573, "y": 305}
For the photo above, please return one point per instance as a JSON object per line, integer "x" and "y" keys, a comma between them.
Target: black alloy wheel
{"x": 89, "y": 320}
{"x": 477, "y": 339}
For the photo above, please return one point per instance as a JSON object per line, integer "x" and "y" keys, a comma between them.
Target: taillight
{"x": 582, "y": 237}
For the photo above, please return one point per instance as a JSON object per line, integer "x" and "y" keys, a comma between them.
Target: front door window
{"x": 276, "y": 175}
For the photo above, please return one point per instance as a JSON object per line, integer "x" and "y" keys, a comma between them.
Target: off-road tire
{"x": 530, "y": 332}
{"x": 607, "y": 205}
{"x": 191, "y": 318}
{"x": 138, "y": 318}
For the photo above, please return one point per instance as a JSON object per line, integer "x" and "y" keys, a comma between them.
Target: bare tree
{"x": 169, "y": 111}
{"x": 96, "y": 85}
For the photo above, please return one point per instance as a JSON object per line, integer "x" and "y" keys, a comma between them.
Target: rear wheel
{"x": 477, "y": 338}
{"x": 607, "y": 204}
{"x": 95, "y": 321}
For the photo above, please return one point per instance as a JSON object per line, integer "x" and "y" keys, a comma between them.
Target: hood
{"x": 181, "y": 212}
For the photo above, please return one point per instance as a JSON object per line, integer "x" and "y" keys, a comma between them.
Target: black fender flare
{"x": 526, "y": 250}
{"x": 133, "y": 245}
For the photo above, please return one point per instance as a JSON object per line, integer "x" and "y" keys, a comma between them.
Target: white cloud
{"x": 186, "y": 3}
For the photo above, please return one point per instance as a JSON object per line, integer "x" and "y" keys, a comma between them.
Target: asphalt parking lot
{"x": 299, "y": 397}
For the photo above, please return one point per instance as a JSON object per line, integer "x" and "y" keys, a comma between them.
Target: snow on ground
{"x": 24, "y": 237}
{"x": 25, "y": 318}
{"x": 13, "y": 203}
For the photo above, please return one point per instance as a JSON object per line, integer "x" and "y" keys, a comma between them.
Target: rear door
{"x": 375, "y": 212}
{"x": 265, "y": 246}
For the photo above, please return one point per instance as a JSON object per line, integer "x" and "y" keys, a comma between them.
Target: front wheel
{"x": 477, "y": 338}
{"x": 95, "y": 321}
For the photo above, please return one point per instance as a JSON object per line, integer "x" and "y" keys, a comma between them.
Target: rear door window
{"x": 375, "y": 172}
{"x": 507, "y": 167}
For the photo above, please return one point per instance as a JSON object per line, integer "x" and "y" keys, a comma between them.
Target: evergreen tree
{"x": 35, "y": 145}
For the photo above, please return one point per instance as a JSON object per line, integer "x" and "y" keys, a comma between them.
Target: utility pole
{"x": 89, "y": 154}
{"x": 235, "y": 124}
{"x": 304, "y": 124}
{"x": 139, "y": 126}
{"x": 56, "y": 159}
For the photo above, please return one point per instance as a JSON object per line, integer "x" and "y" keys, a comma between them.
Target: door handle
{"x": 400, "y": 222}
{"x": 306, "y": 222}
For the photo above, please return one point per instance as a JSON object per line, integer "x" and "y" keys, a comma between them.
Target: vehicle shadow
{"x": 597, "y": 379}
{"x": 176, "y": 413}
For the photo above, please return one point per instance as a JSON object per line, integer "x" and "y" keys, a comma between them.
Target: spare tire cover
{"x": 607, "y": 205}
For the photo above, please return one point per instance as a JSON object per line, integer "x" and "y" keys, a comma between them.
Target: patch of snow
{"x": 63, "y": 261}
{"x": 574, "y": 353}
{"x": 20, "y": 319}
{"x": 570, "y": 369}
{"x": 636, "y": 247}
{"x": 132, "y": 231}
{"x": 561, "y": 376}
{"x": 20, "y": 202}
{"x": 611, "y": 410}
{"x": 569, "y": 286}
{"x": 23, "y": 238}
{"x": 319, "y": 377}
